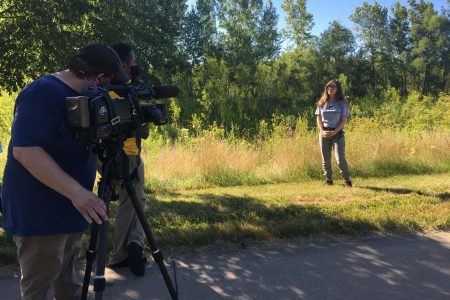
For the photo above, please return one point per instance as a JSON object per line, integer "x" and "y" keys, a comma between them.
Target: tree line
{"x": 235, "y": 68}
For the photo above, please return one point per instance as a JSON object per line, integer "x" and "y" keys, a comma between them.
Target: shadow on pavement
{"x": 401, "y": 267}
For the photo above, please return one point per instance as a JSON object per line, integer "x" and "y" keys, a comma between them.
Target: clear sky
{"x": 325, "y": 11}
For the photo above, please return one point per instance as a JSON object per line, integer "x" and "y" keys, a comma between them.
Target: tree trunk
{"x": 426, "y": 80}
{"x": 373, "y": 72}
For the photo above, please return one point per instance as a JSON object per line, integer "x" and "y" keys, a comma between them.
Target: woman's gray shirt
{"x": 331, "y": 113}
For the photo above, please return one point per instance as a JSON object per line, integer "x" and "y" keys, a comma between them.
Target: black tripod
{"x": 115, "y": 172}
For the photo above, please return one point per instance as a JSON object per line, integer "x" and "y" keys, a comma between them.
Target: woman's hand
{"x": 328, "y": 133}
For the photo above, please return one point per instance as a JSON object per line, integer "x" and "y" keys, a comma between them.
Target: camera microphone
{"x": 164, "y": 91}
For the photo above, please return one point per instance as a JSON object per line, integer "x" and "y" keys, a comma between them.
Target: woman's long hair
{"x": 338, "y": 96}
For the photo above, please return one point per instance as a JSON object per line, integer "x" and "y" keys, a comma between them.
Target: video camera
{"x": 116, "y": 110}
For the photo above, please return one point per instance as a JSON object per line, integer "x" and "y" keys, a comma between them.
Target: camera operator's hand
{"x": 91, "y": 207}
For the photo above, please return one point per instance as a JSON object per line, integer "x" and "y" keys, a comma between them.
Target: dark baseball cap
{"x": 103, "y": 59}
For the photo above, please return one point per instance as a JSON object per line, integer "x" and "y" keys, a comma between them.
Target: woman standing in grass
{"x": 332, "y": 114}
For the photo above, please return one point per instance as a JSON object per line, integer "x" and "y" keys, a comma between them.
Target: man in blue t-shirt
{"x": 48, "y": 178}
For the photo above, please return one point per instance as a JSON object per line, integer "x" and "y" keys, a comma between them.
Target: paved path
{"x": 406, "y": 267}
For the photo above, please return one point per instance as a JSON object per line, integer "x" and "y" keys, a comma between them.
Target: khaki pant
{"x": 127, "y": 227}
{"x": 48, "y": 266}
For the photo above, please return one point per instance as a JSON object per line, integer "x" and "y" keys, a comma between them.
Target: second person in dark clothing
{"x": 128, "y": 238}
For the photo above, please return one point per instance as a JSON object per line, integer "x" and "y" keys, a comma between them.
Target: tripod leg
{"x": 98, "y": 232}
{"x": 90, "y": 256}
{"x": 156, "y": 253}
{"x": 99, "y": 279}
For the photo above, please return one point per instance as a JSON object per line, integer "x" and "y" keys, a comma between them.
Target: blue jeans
{"x": 326, "y": 146}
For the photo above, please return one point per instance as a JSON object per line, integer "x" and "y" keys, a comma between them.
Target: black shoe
{"x": 348, "y": 183}
{"x": 136, "y": 262}
{"x": 122, "y": 264}
{"x": 328, "y": 182}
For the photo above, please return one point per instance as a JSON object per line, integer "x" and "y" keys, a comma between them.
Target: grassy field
{"x": 207, "y": 189}
{"x": 211, "y": 216}
{"x": 371, "y": 152}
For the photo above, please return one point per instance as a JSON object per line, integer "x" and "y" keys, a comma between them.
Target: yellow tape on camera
{"x": 114, "y": 95}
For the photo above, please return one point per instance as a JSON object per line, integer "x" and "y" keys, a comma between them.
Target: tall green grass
{"x": 371, "y": 152}
{"x": 386, "y": 136}
{"x": 210, "y": 161}
{"x": 409, "y": 136}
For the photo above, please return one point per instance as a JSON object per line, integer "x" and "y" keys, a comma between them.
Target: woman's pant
{"x": 326, "y": 146}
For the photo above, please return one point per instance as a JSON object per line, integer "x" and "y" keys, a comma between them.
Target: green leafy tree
{"x": 299, "y": 22}
{"x": 267, "y": 37}
{"x": 336, "y": 45}
{"x": 248, "y": 36}
{"x": 198, "y": 30}
{"x": 197, "y": 44}
{"x": 399, "y": 27}
{"x": 37, "y": 37}
{"x": 373, "y": 28}
{"x": 238, "y": 19}
{"x": 153, "y": 27}
{"x": 430, "y": 53}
